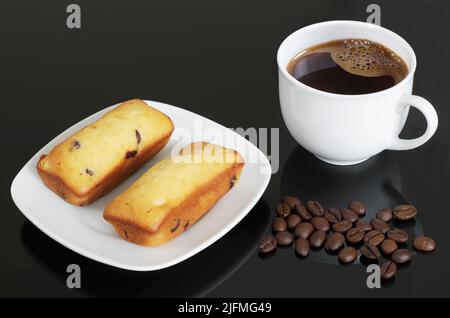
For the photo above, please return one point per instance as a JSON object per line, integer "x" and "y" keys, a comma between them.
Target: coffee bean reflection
{"x": 194, "y": 277}
{"x": 375, "y": 182}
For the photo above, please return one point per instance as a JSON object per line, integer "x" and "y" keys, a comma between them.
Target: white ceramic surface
{"x": 348, "y": 129}
{"x": 83, "y": 229}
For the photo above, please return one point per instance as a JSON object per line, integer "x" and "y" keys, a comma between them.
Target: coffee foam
{"x": 364, "y": 57}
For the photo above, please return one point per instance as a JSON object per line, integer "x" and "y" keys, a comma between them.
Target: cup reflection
{"x": 376, "y": 182}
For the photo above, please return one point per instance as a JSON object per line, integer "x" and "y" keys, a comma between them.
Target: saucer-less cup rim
{"x": 401, "y": 91}
{"x": 283, "y": 66}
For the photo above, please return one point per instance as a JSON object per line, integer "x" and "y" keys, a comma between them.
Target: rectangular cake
{"x": 173, "y": 194}
{"x": 97, "y": 158}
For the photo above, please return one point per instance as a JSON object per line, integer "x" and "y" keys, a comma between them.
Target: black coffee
{"x": 350, "y": 67}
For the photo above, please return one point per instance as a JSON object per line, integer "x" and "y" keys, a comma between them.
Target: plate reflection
{"x": 194, "y": 277}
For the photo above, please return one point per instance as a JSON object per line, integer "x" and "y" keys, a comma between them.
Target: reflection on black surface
{"x": 376, "y": 182}
{"x": 386, "y": 283}
{"x": 269, "y": 254}
{"x": 332, "y": 185}
{"x": 194, "y": 277}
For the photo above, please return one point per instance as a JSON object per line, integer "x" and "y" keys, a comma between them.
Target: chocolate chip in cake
{"x": 138, "y": 137}
{"x": 176, "y": 226}
{"x": 89, "y": 172}
{"x": 126, "y": 234}
{"x": 131, "y": 154}
{"x": 186, "y": 226}
{"x": 75, "y": 145}
{"x": 233, "y": 181}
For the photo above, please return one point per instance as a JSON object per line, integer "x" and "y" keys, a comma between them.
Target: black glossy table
{"x": 215, "y": 58}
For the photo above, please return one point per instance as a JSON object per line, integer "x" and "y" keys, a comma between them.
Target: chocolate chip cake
{"x": 173, "y": 194}
{"x": 97, "y": 158}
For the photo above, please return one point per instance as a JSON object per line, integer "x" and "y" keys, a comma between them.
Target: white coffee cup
{"x": 349, "y": 129}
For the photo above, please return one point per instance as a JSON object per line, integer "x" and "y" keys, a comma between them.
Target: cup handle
{"x": 431, "y": 117}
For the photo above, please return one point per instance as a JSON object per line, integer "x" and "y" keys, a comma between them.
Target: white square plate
{"x": 83, "y": 229}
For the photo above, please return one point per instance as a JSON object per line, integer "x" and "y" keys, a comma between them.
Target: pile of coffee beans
{"x": 343, "y": 232}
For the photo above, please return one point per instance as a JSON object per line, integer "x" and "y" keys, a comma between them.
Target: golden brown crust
{"x": 179, "y": 218}
{"x": 119, "y": 174}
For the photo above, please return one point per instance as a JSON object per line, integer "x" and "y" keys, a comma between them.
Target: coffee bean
{"x": 279, "y": 224}
{"x": 347, "y": 254}
{"x": 292, "y": 202}
{"x": 380, "y": 225}
{"x": 320, "y": 223}
{"x": 405, "y": 212}
{"x": 388, "y": 270}
{"x": 304, "y": 230}
{"x": 293, "y": 220}
{"x": 399, "y": 236}
{"x": 315, "y": 208}
{"x": 284, "y": 238}
{"x": 357, "y": 207}
{"x": 355, "y": 235}
{"x": 267, "y": 244}
{"x": 401, "y": 256}
{"x": 302, "y": 247}
{"x": 370, "y": 251}
{"x": 303, "y": 212}
{"x": 388, "y": 246}
{"x": 283, "y": 210}
{"x": 385, "y": 215}
{"x": 374, "y": 237}
{"x": 333, "y": 215}
{"x": 342, "y": 226}
{"x": 364, "y": 225}
{"x": 424, "y": 244}
{"x": 349, "y": 215}
{"x": 317, "y": 239}
{"x": 334, "y": 241}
